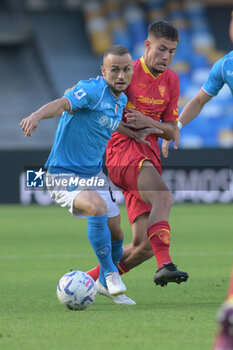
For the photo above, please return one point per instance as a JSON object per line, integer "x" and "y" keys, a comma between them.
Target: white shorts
{"x": 63, "y": 192}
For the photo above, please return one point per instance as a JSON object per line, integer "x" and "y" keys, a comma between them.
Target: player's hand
{"x": 165, "y": 144}
{"x": 29, "y": 124}
{"x": 135, "y": 119}
{"x": 140, "y": 135}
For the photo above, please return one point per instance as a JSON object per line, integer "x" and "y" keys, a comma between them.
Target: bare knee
{"x": 94, "y": 210}
{"x": 90, "y": 203}
{"x": 164, "y": 198}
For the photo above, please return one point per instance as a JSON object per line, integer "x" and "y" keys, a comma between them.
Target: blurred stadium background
{"x": 47, "y": 46}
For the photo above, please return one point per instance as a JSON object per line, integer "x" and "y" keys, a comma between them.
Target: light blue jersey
{"x": 221, "y": 73}
{"x": 83, "y": 133}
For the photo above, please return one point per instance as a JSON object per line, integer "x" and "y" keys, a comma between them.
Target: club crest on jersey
{"x": 103, "y": 120}
{"x": 162, "y": 90}
{"x": 79, "y": 94}
{"x": 109, "y": 123}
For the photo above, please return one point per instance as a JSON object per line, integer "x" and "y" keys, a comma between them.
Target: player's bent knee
{"x": 97, "y": 210}
{"x": 169, "y": 198}
{"x": 90, "y": 203}
{"x": 164, "y": 199}
{"x": 166, "y": 196}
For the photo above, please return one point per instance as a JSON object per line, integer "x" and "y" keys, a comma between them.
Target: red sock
{"x": 159, "y": 236}
{"x": 122, "y": 268}
{"x": 94, "y": 273}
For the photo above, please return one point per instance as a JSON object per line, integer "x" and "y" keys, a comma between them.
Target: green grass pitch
{"x": 40, "y": 244}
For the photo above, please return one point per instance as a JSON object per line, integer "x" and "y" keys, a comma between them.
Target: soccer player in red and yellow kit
{"x": 135, "y": 167}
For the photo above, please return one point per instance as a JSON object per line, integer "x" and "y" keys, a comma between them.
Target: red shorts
{"x": 124, "y": 163}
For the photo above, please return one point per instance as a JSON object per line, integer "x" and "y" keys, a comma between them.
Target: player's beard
{"x": 117, "y": 91}
{"x": 155, "y": 71}
{"x": 158, "y": 71}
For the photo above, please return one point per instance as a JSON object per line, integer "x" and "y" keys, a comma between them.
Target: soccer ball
{"x": 76, "y": 290}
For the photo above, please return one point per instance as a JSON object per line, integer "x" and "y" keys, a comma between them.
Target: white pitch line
{"x": 41, "y": 256}
{"x": 203, "y": 254}
{"x": 74, "y": 256}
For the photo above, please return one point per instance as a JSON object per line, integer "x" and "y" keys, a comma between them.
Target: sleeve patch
{"x": 79, "y": 94}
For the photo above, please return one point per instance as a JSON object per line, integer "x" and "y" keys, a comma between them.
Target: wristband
{"x": 179, "y": 125}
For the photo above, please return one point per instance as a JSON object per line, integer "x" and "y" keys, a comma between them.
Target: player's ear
{"x": 103, "y": 70}
{"x": 147, "y": 44}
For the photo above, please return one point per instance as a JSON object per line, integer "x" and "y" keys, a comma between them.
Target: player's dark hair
{"x": 163, "y": 29}
{"x": 117, "y": 50}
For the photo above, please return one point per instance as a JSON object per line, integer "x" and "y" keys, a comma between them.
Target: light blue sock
{"x": 100, "y": 238}
{"x": 117, "y": 251}
{"x": 101, "y": 277}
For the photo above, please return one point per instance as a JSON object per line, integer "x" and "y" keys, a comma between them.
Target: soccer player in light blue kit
{"x": 91, "y": 112}
{"x": 221, "y": 73}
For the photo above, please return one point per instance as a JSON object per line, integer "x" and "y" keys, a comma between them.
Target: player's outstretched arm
{"x": 193, "y": 108}
{"x": 50, "y": 110}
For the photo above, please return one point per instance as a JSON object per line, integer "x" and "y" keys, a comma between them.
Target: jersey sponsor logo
{"x": 175, "y": 111}
{"x": 229, "y": 73}
{"x": 150, "y": 100}
{"x": 142, "y": 85}
{"x": 105, "y": 105}
{"x": 162, "y": 90}
{"x": 79, "y": 94}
